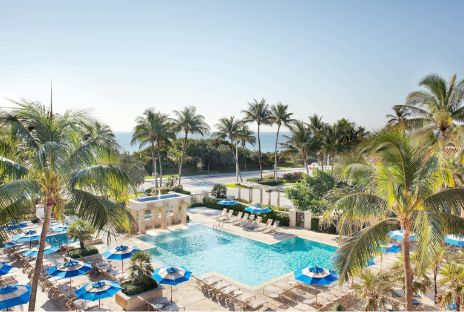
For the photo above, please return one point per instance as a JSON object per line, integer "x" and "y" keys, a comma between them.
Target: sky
{"x": 352, "y": 59}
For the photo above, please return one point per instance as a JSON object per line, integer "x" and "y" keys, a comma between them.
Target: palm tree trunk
{"x": 259, "y": 155}
{"x": 435, "y": 287}
{"x": 39, "y": 260}
{"x": 275, "y": 152}
{"x": 81, "y": 244}
{"x": 160, "y": 166}
{"x": 184, "y": 146}
{"x": 153, "y": 158}
{"x": 305, "y": 159}
{"x": 407, "y": 271}
{"x": 236, "y": 163}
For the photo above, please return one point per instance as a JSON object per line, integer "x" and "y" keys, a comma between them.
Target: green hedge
{"x": 130, "y": 289}
{"x": 276, "y": 215}
{"x": 87, "y": 251}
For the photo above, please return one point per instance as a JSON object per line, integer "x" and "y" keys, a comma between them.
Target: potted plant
{"x": 82, "y": 231}
{"x": 141, "y": 286}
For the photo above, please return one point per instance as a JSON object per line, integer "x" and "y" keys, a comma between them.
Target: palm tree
{"x": 280, "y": 117}
{"x": 301, "y": 141}
{"x": 245, "y": 136}
{"x": 140, "y": 268}
{"x": 65, "y": 159}
{"x": 404, "y": 188}
{"x": 153, "y": 128}
{"x": 259, "y": 112}
{"x": 439, "y": 106}
{"x": 188, "y": 122}
{"x": 375, "y": 288}
{"x": 82, "y": 231}
{"x": 452, "y": 276}
{"x": 229, "y": 129}
{"x": 399, "y": 118}
{"x": 317, "y": 127}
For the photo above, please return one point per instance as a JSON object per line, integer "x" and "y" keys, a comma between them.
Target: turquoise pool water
{"x": 203, "y": 250}
{"x": 158, "y": 197}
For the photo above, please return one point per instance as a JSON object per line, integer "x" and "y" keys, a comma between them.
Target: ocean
{"x": 267, "y": 141}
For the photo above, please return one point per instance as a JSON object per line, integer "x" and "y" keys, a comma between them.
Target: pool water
{"x": 152, "y": 198}
{"x": 202, "y": 250}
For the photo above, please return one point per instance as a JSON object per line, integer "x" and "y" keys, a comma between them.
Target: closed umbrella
{"x": 171, "y": 275}
{"x": 120, "y": 253}
{"x": 14, "y": 295}
{"x": 316, "y": 276}
{"x": 98, "y": 290}
{"x": 69, "y": 269}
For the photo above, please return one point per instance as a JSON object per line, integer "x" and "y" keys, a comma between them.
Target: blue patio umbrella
{"x": 257, "y": 209}
{"x": 69, "y": 269}
{"x": 316, "y": 276}
{"x": 34, "y": 251}
{"x": 27, "y": 236}
{"x": 399, "y": 234}
{"x": 389, "y": 248}
{"x": 456, "y": 240}
{"x": 120, "y": 252}
{"x": 228, "y": 202}
{"x": 171, "y": 275}
{"x": 14, "y": 295}
{"x": 5, "y": 267}
{"x": 98, "y": 290}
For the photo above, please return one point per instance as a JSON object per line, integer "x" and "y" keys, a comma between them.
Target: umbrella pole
{"x": 171, "y": 294}
{"x": 316, "y": 294}
{"x": 122, "y": 269}
{"x": 70, "y": 289}
{"x": 98, "y": 304}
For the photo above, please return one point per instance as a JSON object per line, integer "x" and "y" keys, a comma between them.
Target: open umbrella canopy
{"x": 456, "y": 240}
{"x": 98, "y": 290}
{"x": 258, "y": 209}
{"x": 228, "y": 202}
{"x": 120, "y": 252}
{"x": 171, "y": 275}
{"x": 60, "y": 228}
{"x": 399, "y": 234}
{"x": 316, "y": 276}
{"x": 5, "y": 267}
{"x": 27, "y": 236}
{"x": 389, "y": 248}
{"x": 69, "y": 269}
{"x": 34, "y": 251}
{"x": 13, "y": 295}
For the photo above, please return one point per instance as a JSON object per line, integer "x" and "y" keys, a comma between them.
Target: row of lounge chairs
{"x": 229, "y": 295}
{"x": 250, "y": 222}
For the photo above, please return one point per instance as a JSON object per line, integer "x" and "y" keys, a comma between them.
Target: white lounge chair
{"x": 244, "y": 219}
{"x": 222, "y": 215}
{"x": 237, "y": 218}
{"x": 250, "y": 220}
{"x": 273, "y": 228}
{"x": 266, "y": 226}
{"x": 254, "y": 224}
{"x": 229, "y": 215}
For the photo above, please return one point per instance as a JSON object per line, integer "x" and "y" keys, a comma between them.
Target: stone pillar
{"x": 269, "y": 198}
{"x": 183, "y": 215}
{"x": 163, "y": 218}
{"x": 261, "y": 196}
{"x": 175, "y": 212}
{"x": 292, "y": 217}
{"x": 278, "y": 199}
{"x": 141, "y": 222}
{"x": 307, "y": 219}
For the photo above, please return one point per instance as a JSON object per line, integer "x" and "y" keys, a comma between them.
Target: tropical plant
{"x": 229, "y": 129}
{"x": 399, "y": 119}
{"x": 65, "y": 159}
{"x": 133, "y": 167}
{"x": 374, "y": 288}
{"x": 259, "y": 112}
{"x": 245, "y": 136}
{"x": 301, "y": 141}
{"x": 435, "y": 264}
{"x": 154, "y": 129}
{"x": 280, "y": 117}
{"x": 219, "y": 190}
{"x": 403, "y": 188}
{"x": 82, "y": 231}
{"x": 188, "y": 122}
{"x": 452, "y": 277}
{"x": 439, "y": 106}
{"x": 140, "y": 268}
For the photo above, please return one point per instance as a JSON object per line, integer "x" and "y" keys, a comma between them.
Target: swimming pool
{"x": 204, "y": 250}
{"x": 157, "y": 197}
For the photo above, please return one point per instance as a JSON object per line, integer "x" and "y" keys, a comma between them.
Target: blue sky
{"x": 351, "y": 59}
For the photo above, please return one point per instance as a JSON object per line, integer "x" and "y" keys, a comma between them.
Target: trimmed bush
{"x": 292, "y": 176}
{"x": 87, "y": 251}
{"x": 219, "y": 191}
{"x": 131, "y": 289}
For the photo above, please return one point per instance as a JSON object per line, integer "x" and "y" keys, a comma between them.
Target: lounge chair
{"x": 263, "y": 227}
{"x": 251, "y": 219}
{"x": 222, "y": 215}
{"x": 253, "y": 224}
{"x": 238, "y": 217}
{"x": 229, "y": 215}
{"x": 273, "y": 228}
{"x": 244, "y": 219}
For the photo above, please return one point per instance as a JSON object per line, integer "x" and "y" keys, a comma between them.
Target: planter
{"x": 131, "y": 303}
{"x": 91, "y": 258}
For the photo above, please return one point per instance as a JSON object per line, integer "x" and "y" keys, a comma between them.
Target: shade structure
{"x": 98, "y": 290}
{"x": 120, "y": 253}
{"x": 14, "y": 295}
{"x": 456, "y": 240}
{"x": 399, "y": 234}
{"x": 316, "y": 276}
{"x": 13, "y": 226}
{"x": 258, "y": 209}
{"x": 228, "y": 202}
{"x": 28, "y": 236}
{"x": 69, "y": 269}
{"x": 171, "y": 275}
{"x": 389, "y": 248}
{"x": 33, "y": 252}
{"x": 5, "y": 267}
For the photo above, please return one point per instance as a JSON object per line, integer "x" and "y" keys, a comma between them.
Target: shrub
{"x": 130, "y": 289}
{"x": 87, "y": 251}
{"x": 140, "y": 275}
{"x": 292, "y": 176}
{"x": 35, "y": 220}
{"x": 219, "y": 191}
{"x": 82, "y": 231}
{"x": 180, "y": 189}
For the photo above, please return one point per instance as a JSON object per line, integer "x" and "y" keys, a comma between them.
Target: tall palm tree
{"x": 439, "y": 106}
{"x": 188, "y": 122}
{"x": 229, "y": 129}
{"x": 374, "y": 288}
{"x": 399, "y": 118}
{"x": 403, "y": 188}
{"x": 259, "y": 112}
{"x": 317, "y": 127}
{"x": 452, "y": 276}
{"x": 245, "y": 136}
{"x": 281, "y": 117}
{"x": 65, "y": 159}
{"x": 301, "y": 141}
{"x": 154, "y": 129}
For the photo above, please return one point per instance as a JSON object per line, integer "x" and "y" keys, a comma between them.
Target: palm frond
{"x": 448, "y": 200}
{"x": 11, "y": 169}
